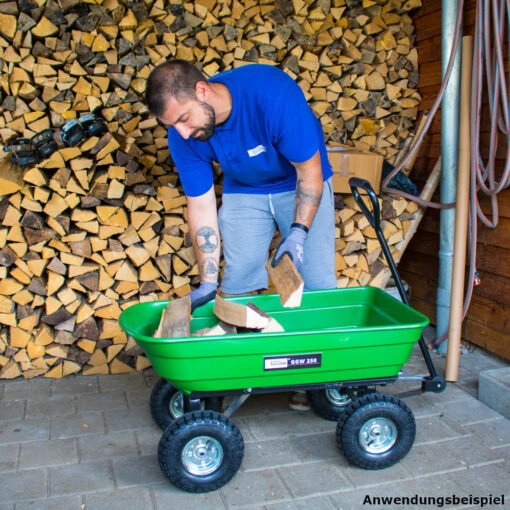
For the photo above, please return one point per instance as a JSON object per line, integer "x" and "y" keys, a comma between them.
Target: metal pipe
{"x": 449, "y": 159}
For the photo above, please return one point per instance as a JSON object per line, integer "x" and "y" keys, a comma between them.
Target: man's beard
{"x": 207, "y": 130}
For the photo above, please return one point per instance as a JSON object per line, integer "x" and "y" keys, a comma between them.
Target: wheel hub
{"x": 176, "y": 405}
{"x": 202, "y": 455}
{"x": 378, "y": 435}
{"x": 337, "y": 398}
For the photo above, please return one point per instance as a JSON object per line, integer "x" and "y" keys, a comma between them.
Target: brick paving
{"x": 89, "y": 443}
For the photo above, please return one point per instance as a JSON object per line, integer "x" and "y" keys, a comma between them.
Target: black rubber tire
{"x": 331, "y": 404}
{"x": 216, "y": 435}
{"x": 390, "y": 413}
{"x": 166, "y": 403}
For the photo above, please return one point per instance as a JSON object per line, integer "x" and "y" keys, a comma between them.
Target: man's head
{"x": 176, "y": 93}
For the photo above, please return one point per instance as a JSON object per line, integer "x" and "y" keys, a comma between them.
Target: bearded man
{"x": 256, "y": 123}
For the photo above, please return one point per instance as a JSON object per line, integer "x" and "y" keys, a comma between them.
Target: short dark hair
{"x": 175, "y": 78}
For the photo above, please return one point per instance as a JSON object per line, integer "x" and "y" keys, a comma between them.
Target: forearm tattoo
{"x": 206, "y": 240}
{"x": 209, "y": 267}
{"x": 306, "y": 200}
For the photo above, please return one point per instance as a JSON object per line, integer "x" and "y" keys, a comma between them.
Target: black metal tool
{"x": 44, "y": 143}
{"x": 76, "y": 130}
{"x": 23, "y": 152}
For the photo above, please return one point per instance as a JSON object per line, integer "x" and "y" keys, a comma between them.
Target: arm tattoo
{"x": 305, "y": 200}
{"x": 209, "y": 267}
{"x": 206, "y": 239}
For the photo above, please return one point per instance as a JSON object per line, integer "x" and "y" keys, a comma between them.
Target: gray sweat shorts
{"x": 247, "y": 224}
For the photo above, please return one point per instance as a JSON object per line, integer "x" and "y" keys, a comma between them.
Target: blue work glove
{"x": 292, "y": 245}
{"x": 203, "y": 294}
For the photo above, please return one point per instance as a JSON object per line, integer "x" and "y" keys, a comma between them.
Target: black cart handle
{"x": 434, "y": 382}
{"x": 373, "y": 217}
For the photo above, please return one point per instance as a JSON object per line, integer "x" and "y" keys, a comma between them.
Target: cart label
{"x": 291, "y": 362}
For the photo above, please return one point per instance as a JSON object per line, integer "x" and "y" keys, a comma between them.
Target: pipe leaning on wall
{"x": 461, "y": 215}
{"x": 449, "y": 154}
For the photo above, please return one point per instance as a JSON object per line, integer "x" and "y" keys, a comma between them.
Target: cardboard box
{"x": 347, "y": 163}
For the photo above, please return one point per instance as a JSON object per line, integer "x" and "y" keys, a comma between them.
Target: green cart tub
{"x": 335, "y": 335}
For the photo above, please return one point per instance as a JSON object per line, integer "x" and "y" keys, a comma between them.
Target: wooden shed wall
{"x": 487, "y": 323}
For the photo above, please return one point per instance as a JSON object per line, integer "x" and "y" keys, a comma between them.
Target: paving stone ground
{"x": 89, "y": 443}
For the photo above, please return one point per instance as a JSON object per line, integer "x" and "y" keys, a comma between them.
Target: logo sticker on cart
{"x": 291, "y": 362}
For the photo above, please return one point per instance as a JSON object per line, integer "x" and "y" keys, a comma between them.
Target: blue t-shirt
{"x": 270, "y": 125}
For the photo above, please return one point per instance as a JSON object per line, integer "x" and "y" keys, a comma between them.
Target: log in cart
{"x": 338, "y": 346}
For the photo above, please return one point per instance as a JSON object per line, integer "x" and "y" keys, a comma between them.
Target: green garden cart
{"x": 339, "y": 346}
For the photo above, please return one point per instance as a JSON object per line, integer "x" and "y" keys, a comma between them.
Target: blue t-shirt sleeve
{"x": 195, "y": 171}
{"x": 294, "y": 126}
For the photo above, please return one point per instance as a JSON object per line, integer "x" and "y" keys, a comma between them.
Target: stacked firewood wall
{"x": 100, "y": 226}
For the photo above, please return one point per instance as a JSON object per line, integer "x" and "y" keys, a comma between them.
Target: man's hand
{"x": 292, "y": 245}
{"x": 203, "y": 294}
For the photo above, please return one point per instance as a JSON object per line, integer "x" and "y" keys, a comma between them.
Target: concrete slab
{"x": 48, "y": 453}
{"x": 494, "y": 389}
{"x": 255, "y": 488}
{"x": 77, "y": 425}
{"x": 58, "y": 405}
{"x": 22, "y": 389}
{"x": 83, "y": 478}
{"x": 23, "y": 431}
{"x": 137, "y": 471}
{"x": 495, "y": 434}
{"x": 75, "y": 385}
{"x": 107, "y": 446}
{"x": 123, "y": 382}
{"x": 483, "y": 481}
{"x": 315, "y": 479}
{"x": 321, "y": 503}
{"x": 148, "y": 439}
{"x": 138, "y": 498}
{"x": 128, "y": 419}
{"x": 23, "y": 485}
{"x": 58, "y": 503}
{"x": 12, "y": 410}
{"x": 9, "y": 457}
{"x": 167, "y": 496}
{"x": 103, "y": 401}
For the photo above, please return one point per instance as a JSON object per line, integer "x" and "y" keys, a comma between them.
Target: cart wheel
{"x": 376, "y": 431}
{"x": 331, "y": 403}
{"x": 167, "y": 403}
{"x": 201, "y": 451}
